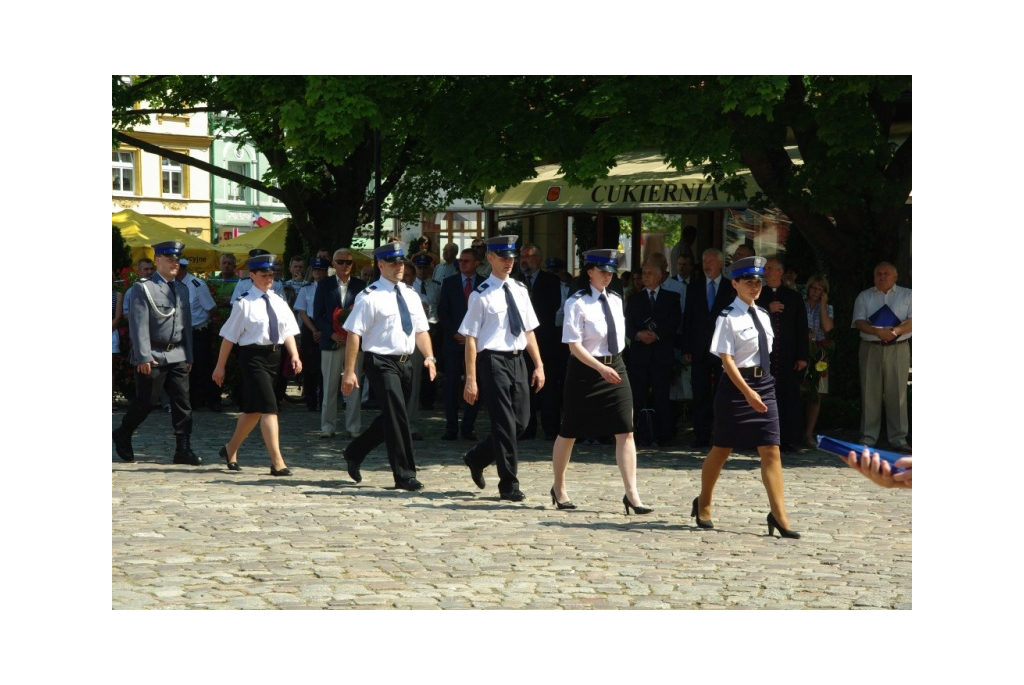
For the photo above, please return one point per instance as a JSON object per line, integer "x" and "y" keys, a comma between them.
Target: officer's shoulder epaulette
{"x": 579, "y": 293}
{"x": 725, "y": 312}
{"x": 241, "y": 295}
{"x": 760, "y": 308}
{"x": 144, "y": 279}
{"x": 195, "y": 282}
{"x": 372, "y": 286}
{"x": 612, "y": 292}
{"x": 483, "y": 286}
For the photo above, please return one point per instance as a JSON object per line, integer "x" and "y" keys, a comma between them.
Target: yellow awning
{"x": 141, "y": 231}
{"x": 640, "y": 180}
{"x": 269, "y": 238}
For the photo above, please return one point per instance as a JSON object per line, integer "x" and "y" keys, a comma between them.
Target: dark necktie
{"x": 651, "y": 293}
{"x": 274, "y": 332}
{"x": 403, "y": 312}
{"x": 423, "y": 287}
{"x": 515, "y": 322}
{"x": 613, "y": 336}
{"x": 468, "y": 288}
{"x": 711, "y": 295}
{"x": 762, "y": 338}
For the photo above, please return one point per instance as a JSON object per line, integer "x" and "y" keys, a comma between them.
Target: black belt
{"x": 264, "y": 348}
{"x": 753, "y": 372}
{"x": 164, "y": 347}
{"x": 513, "y": 353}
{"x": 400, "y": 358}
{"x": 889, "y": 344}
{"x": 606, "y": 359}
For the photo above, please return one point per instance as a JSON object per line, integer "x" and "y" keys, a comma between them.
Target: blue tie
{"x": 762, "y": 340}
{"x": 275, "y": 334}
{"x": 613, "y": 336}
{"x": 403, "y": 311}
{"x": 711, "y": 295}
{"x": 515, "y": 322}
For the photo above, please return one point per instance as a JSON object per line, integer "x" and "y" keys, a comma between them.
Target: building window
{"x": 236, "y": 191}
{"x": 173, "y": 177}
{"x": 124, "y": 171}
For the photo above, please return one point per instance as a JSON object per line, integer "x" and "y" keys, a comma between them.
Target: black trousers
{"x": 312, "y": 376}
{"x": 547, "y": 402}
{"x": 504, "y": 386}
{"x": 705, "y": 373}
{"x": 202, "y": 389}
{"x": 170, "y": 377}
{"x": 454, "y": 366}
{"x": 791, "y": 414}
{"x": 428, "y": 388}
{"x": 391, "y": 382}
{"x": 658, "y": 379}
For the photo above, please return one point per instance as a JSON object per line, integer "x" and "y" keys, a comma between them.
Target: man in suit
{"x": 707, "y": 295}
{"x": 789, "y": 350}
{"x": 332, "y": 301}
{"x": 652, "y": 319}
{"x": 546, "y": 297}
{"x": 455, "y": 292}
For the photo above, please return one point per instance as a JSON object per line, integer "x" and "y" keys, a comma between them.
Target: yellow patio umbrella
{"x": 269, "y": 238}
{"x": 141, "y": 232}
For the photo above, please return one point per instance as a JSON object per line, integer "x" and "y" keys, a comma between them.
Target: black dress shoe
{"x": 451, "y": 435}
{"x": 353, "y": 470}
{"x": 187, "y": 456}
{"x": 232, "y": 465}
{"x": 123, "y": 446}
{"x": 410, "y": 484}
{"x": 283, "y": 472}
{"x": 475, "y": 472}
{"x": 514, "y": 496}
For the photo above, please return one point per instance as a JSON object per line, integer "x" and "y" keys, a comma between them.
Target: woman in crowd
{"x": 746, "y": 414}
{"x": 598, "y": 400}
{"x": 820, "y": 324}
{"x": 261, "y": 323}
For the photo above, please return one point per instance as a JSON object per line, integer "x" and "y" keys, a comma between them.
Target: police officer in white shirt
{"x": 387, "y": 323}
{"x": 244, "y": 285}
{"x": 498, "y": 327}
{"x": 201, "y": 386}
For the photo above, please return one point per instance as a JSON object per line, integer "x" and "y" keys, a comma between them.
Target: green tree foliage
{"x": 122, "y": 253}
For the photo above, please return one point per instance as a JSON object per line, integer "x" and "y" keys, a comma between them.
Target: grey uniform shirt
{"x": 160, "y": 316}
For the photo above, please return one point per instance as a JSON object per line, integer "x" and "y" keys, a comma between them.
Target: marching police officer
{"x": 201, "y": 388}
{"x": 498, "y": 326}
{"x": 161, "y": 332}
{"x": 387, "y": 322}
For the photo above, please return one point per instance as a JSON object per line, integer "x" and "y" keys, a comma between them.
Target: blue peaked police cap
{"x": 169, "y": 248}
{"x": 605, "y": 260}
{"x": 502, "y": 245}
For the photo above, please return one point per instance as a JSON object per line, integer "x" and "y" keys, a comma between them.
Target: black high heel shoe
{"x": 784, "y": 532}
{"x": 282, "y": 472}
{"x": 701, "y": 523}
{"x": 636, "y": 510}
{"x": 561, "y": 505}
{"x": 232, "y": 465}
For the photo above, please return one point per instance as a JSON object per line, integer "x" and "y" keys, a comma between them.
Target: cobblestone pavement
{"x": 208, "y": 538}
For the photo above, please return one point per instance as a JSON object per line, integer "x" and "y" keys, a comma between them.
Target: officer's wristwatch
{"x": 430, "y": 359}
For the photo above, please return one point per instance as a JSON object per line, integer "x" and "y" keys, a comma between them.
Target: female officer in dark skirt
{"x": 261, "y": 323}
{"x": 597, "y": 398}
{"x": 746, "y": 414}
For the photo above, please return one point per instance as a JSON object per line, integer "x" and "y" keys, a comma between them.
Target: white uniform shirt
{"x": 585, "y": 321}
{"x": 560, "y": 314}
{"x": 871, "y": 300}
{"x": 736, "y": 334}
{"x": 487, "y": 316}
{"x": 249, "y": 323}
{"x": 375, "y": 318}
{"x": 199, "y": 299}
{"x": 430, "y": 299}
{"x": 304, "y": 298}
{"x": 246, "y": 284}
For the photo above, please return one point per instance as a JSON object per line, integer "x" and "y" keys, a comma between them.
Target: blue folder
{"x": 884, "y": 318}
{"x": 840, "y": 448}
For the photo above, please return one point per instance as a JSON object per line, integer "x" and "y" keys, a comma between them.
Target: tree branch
{"x": 199, "y": 164}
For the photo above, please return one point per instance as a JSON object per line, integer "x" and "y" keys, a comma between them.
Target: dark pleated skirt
{"x": 591, "y": 406}
{"x": 259, "y": 369}
{"x": 737, "y": 425}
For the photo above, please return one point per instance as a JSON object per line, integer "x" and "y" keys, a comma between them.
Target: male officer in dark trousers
{"x": 498, "y": 326}
{"x": 161, "y": 331}
{"x": 387, "y": 322}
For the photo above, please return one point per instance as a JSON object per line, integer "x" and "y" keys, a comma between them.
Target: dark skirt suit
{"x": 736, "y": 424}
{"x": 593, "y": 407}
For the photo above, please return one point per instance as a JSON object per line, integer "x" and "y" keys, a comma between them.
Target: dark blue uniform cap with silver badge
{"x": 261, "y": 261}
{"x": 320, "y": 263}
{"x": 605, "y": 260}
{"x": 169, "y": 248}
{"x": 422, "y": 260}
{"x": 748, "y": 268}
{"x": 390, "y": 252}
{"x": 502, "y": 245}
